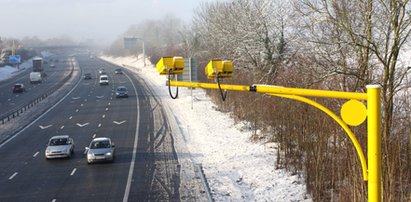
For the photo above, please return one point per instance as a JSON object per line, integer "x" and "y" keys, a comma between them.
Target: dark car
{"x": 121, "y": 91}
{"x": 87, "y": 76}
{"x": 118, "y": 71}
{"x": 18, "y": 88}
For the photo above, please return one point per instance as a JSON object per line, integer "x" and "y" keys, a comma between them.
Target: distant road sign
{"x": 14, "y": 59}
{"x": 130, "y": 42}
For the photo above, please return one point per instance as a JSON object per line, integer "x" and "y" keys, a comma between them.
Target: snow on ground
{"x": 7, "y": 71}
{"x": 236, "y": 169}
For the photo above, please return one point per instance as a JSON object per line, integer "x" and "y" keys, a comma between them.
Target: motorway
{"x": 145, "y": 167}
{"x": 10, "y": 101}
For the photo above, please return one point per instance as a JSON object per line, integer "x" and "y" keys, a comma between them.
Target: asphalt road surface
{"x": 10, "y": 101}
{"x": 145, "y": 167}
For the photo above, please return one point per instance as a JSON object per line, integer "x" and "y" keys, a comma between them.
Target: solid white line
{"x": 72, "y": 172}
{"x": 37, "y": 153}
{"x": 14, "y": 175}
{"x": 133, "y": 158}
{"x": 41, "y": 116}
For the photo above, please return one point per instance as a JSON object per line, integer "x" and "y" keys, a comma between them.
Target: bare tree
{"x": 364, "y": 39}
{"x": 250, "y": 32}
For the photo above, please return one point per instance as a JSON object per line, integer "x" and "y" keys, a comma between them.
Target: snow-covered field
{"x": 236, "y": 169}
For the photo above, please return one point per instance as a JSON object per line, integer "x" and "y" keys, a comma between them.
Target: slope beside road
{"x": 236, "y": 169}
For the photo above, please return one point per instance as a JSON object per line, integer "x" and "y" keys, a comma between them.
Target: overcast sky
{"x": 100, "y": 20}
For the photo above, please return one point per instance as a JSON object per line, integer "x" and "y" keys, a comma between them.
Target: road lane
{"x": 154, "y": 176}
{"x": 10, "y": 101}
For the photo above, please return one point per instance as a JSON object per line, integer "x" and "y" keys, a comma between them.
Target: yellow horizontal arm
{"x": 276, "y": 90}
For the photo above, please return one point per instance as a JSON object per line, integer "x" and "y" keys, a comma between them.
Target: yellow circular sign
{"x": 353, "y": 112}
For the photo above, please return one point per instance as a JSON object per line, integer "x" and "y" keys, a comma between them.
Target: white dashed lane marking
{"x": 37, "y": 153}
{"x": 74, "y": 171}
{"x": 61, "y": 127}
{"x": 12, "y": 176}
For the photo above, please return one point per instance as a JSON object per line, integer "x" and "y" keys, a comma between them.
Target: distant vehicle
{"x": 100, "y": 149}
{"x": 59, "y": 147}
{"x": 52, "y": 65}
{"x": 103, "y": 80}
{"x": 37, "y": 64}
{"x": 101, "y": 71}
{"x": 121, "y": 91}
{"x": 35, "y": 77}
{"x": 18, "y": 88}
{"x": 118, "y": 71}
{"x": 87, "y": 76}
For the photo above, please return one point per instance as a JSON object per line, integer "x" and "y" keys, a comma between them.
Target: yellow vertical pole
{"x": 374, "y": 142}
{"x": 12, "y": 49}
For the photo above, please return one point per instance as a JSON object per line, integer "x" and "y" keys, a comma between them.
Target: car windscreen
{"x": 100, "y": 144}
{"x": 57, "y": 142}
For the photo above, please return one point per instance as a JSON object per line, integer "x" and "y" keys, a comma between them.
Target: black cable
{"x": 169, "y": 86}
{"x": 223, "y": 95}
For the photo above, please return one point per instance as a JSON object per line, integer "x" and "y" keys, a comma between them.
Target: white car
{"x": 103, "y": 80}
{"x": 35, "y": 77}
{"x": 100, "y": 149}
{"x": 61, "y": 146}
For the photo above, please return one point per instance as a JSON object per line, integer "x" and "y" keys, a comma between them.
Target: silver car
{"x": 100, "y": 149}
{"x": 59, "y": 147}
